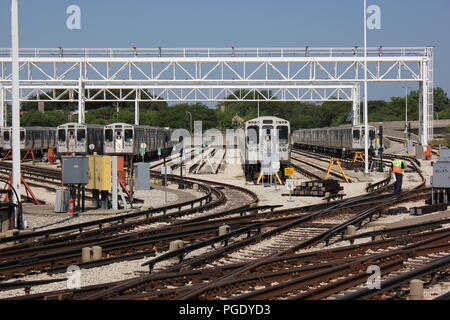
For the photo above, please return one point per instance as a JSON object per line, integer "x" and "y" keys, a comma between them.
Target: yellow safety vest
{"x": 397, "y": 166}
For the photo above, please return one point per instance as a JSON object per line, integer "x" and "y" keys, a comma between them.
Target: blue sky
{"x": 244, "y": 23}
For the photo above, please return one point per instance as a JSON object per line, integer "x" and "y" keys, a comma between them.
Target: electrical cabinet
{"x": 103, "y": 173}
{"x": 75, "y": 170}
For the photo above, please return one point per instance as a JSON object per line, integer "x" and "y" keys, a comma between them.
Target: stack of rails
{"x": 318, "y": 188}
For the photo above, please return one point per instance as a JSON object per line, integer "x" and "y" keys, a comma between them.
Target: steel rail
{"x": 322, "y": 237}
{"x": 389, "y": 284}
{"x": 275, "y": 263}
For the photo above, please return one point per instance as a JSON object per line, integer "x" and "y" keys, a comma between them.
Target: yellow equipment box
{"x": 91, "y": 183}
{"x": 103, "y": 173}
{"x": 100, "y": 173}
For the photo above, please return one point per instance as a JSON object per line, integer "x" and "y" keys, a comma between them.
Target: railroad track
{"x": 53, "y": 249}
{"x": 269, "y": 272}
{"x": 313, "y": 170}
{"x": 247, "y": 233}
{"x": 176, "y": 268}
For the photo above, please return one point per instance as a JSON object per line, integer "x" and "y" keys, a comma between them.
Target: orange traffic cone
{"x": 71, "y": 206}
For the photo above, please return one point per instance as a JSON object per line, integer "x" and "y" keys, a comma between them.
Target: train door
{"x": 6, "y": 139}
{"x": 268, "y": 139}
{"x": 129, "y": 140}
{"x": 24, "y": 134}
{"x": 118, "y": 140}
{"x": 71, "y": 139}
{"x": 283, "y": 142}
{"x": 61, "y": 142}
{"x": 81, "y": 139}
{"x": 356, "y": 139}
{"x": 152, "y": 145}
{"x": 109, "y": 140}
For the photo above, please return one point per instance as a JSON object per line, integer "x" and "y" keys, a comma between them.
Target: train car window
{"x": 253, "y": 134}
{"x": 356, "y": 135}
{"x": 108, "y": 135}
{"x": 283, "y": 134}
{"x": 372, "y": 134}
{"x": 22, "y": 135}
{"x": 6, "y": 135}
{"x": 128, "y": 135}
{"x": 81, "y": 135}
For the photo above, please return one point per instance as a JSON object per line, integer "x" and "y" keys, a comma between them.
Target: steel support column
{"x": 356, "y": 105}
{"x": 81, "y": 95}
{"x": 15, "y": 98}
{"x": 425, "y": 111}
{"x": 115, "y": 184}
{"x": 136, "y": 107}
{"x": 2, "y": 106}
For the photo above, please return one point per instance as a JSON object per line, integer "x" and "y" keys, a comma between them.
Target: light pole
{"x": 366, "y": 124}
{"x": 190, "y": 121}
{"x": 406, "y": 106}
{"x": 15, "y": 98}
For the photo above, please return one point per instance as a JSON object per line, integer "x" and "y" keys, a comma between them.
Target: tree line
{"x": 224, "y": 115}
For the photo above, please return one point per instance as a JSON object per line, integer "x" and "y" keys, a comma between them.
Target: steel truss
{"x": 213, "y": 74}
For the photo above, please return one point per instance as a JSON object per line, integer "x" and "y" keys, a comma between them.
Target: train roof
{"x": 336, "y": 128}
{"x": 29, "y": 128}
{"x": 266, "y": 118}
{"x": 136, "y": 126}
{"x": 87, "y": 125}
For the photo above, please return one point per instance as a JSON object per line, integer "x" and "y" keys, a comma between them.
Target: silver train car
{"x": 126, "y": 139}
{"x": 31, "y": 138}
{"x": 339, "y": 140}
{"x": 260, "y": 137}
{"x": 75, "y": 138}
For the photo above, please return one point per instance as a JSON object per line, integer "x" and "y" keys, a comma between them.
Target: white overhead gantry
{"x": 205, "y": 74}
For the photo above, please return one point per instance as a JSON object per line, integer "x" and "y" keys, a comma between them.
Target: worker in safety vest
{"x": 398, "y": 168}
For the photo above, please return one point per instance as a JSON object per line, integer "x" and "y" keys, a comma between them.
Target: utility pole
{"x": 15, "y": 98}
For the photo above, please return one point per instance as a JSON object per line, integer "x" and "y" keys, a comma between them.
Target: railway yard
{"x": 223, "y": 237}
{"x": 224, "y": 180}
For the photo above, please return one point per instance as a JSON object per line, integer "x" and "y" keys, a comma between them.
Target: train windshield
{"x": 81, "y": 135}
{"x": 283, "y": 134}
{"x": 6, "y": 135}
{"x": 108, "y": 135}
{"x": 128, "y": 135}
{"x": 253, "y": 134}
{"x": 62, "y": 135}
{"x": 372, "y": 134}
